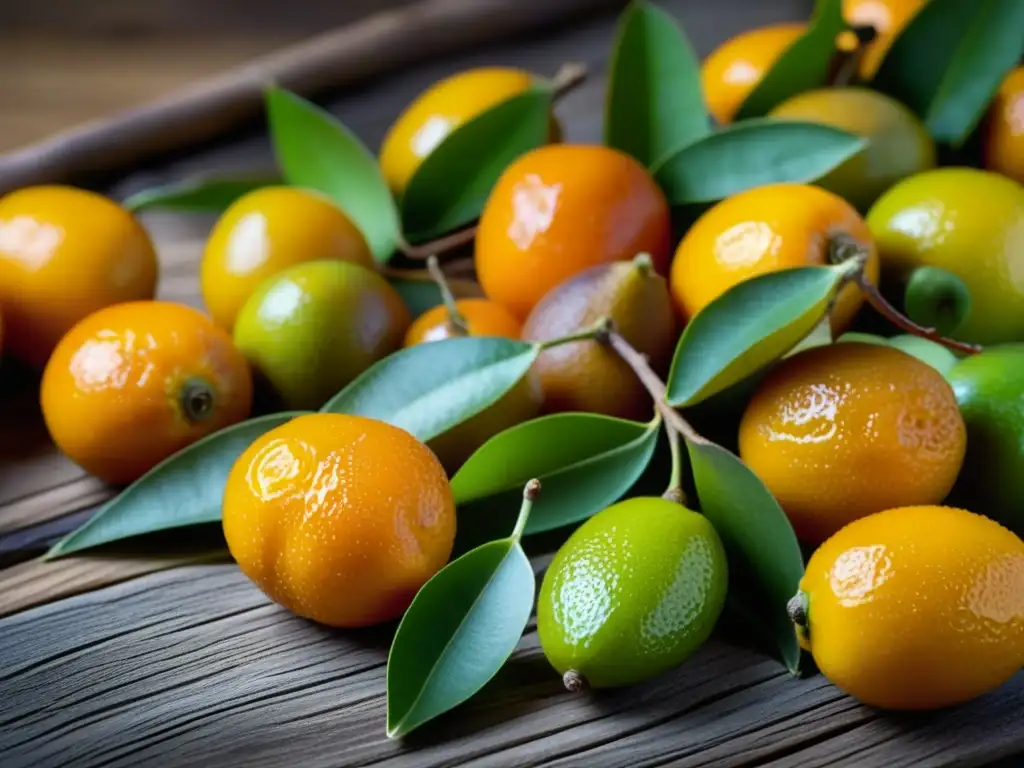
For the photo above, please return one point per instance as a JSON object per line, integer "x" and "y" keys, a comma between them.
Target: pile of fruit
{"x": 758, "y": 352}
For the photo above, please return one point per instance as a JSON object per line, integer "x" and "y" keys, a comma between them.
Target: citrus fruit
{"x": 560, "y": 209}
{"x": 589, "y": 376}
{"x": 632, "y": 593}
{"x": 763, "y": 230}
{"x": 898, "y": 143}
{"x": 988, "y": 388}
{"x": 133, "y": 383}
{"x": 439, "y": 110}
{"x": 340, "y": 519}
{"x": 731, "y": 72}
{"x": 915, "y": 608}
{"x": 970, "y": 223}
{"x": 312, "y": 328}
{"x": 266, "y": 231}
{"x": 1004, "y": 129}
{"x": 482, "y": 318}
{"x": 65, "y": 253}
{"x": 844, "y": 430}
{"x": 887, "y": 17}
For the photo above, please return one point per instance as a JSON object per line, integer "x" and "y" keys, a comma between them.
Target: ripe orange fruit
{"x": 762, "y": 230}
{"x": 560, "y": 209}
{"x": 266, "y": 231}
{"x": 916, "y": 608}
{"x": 482, "y": 317}
{"x": 65, "y": 253}
{"x": 888, "y": 17}
{"x": 341, "y": 519}
{"x": 841, "y": 431}
{"x": 136, "y": 382}
{"x": 733, "y": 70}
{"x": 1004, "y": 140}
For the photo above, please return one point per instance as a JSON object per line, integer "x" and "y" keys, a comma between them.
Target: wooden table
{"x": 127, "y": 660}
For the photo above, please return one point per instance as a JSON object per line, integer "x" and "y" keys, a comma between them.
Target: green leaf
{"x": 655, "y": 102}
{"x": 421, "y": 294}
{"x": 315, "y": 151}
{"x": 458, "y": 632}
{"x": 752, "y": 154}
{"x": 212, "y": 195}
{"x": 429, "y": 388}
{"x": 450, "y": 187}
{"x": 185, "y": 489}
{"x": 584, "y": 462}
{"x": 749, "y": 326}
{"x": 802, "y": 67}
{"x": 765, "y": 564}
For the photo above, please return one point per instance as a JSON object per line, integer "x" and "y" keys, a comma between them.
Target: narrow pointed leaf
{"x": 185, "y": 489}
{"x": 752, "y": 154}
{"x": 314, "y": 150}
{"x": 458, "y": 632}
{"x": 802, "y": 67}
{"x": 749, "y": 326}
{"x": 584, "y": 461}
{"x": 448, "y": 190}
{"x": 765, "y": 564}
{"x": 429, "y": 388}
{"x": 421, "y": 294}
{"x": 212, "y": 195}
{"x": 655, "y": 103}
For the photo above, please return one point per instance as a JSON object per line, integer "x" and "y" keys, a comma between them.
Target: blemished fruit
{"x": 888, "y": 17}
{"x": 558, "y": 210}
{"x": 439, "y": 110}
{"x": 340, "y": 519}
{"x": 898, "y": 143}
{"x": 586, "y": 375}
{"x": 968, "y": 222}
{"x": 763, "y": 230}
{"x": 915, "y": 608}
{"x": 633, "y": 593}
{"x": 731, "y": 72}
{"x": 134, "y": 383}
{"x": 65, "y": 253}
{"x": 989, "y": 389}
{"x": 482, "y": 318}
{"x": 314, "y": 327}
{"x": 265, "y": 232}
{"x": 1004, "y": 129}
{"x": 841, "y": 431}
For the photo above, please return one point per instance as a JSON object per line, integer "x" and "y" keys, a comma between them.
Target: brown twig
{"x": 457, "y": 320}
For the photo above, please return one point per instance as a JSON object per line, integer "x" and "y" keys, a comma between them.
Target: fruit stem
{"x": 196, "y": 400}
{"x": 457, "y": 320}
{"x": 674, "y": 492}
{"x": 597, "y": 332}
{"x": 530, "y": 493}
{"x": 797, "y": 608}
{"x": 643, "y": 264}
{"x": 851, "y": 45}
{"x": 439, "y": 246}
{"x": 574, "y": 682}
{"x": 568, "y": 76}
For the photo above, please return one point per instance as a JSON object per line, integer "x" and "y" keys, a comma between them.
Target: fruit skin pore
{"x": 560, "y": 209}
{"x": 1004, "y": 129}
{"x": 65, "y": 253}
{"x": 917, "y": 608}
{"x": 632, "y": 593}
{"x": 340, "y": 519}
{"x": 763, "y": 230}
{"x": 113, "y": 391}
{"x": 842, "y": 431}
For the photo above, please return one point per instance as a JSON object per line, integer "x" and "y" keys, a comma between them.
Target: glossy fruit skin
{"x": 586, "y": 375}
{"x": 968, "y": 222}
{"x": 1004, "y": 129}
{"x": 917, "y": 608}
{"x": 265, "y": 232}
{"x": 989, "y": 389}
{"x": 112, "y": 392}
{"x": 731, "y": 72}
{"x": 763, "y": 230}
{"x": 633, "y": 592}
{"x": 311, "y": 329}
{"x": 340, "y": 519}
{"x": 839, "y": 432}
{"x": 483, "y": 318}
{"x": 558, "y": 210}
{"x": 888, "y": 17}
{"x": 65, "y": 253}
{"x": 898, "y": 143}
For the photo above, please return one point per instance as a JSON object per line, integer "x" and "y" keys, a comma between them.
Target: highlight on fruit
{"x": 754, "y": 357}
